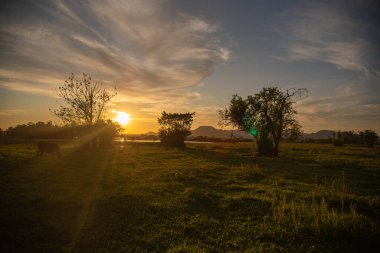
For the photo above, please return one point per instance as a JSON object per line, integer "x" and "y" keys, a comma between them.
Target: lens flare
{"x": 253, "y": 132}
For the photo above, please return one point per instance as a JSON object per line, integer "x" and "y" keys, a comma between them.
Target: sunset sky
{"x": 193, "y": 55}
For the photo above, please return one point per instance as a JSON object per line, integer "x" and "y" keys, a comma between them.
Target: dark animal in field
{"x": 48, "y": 147}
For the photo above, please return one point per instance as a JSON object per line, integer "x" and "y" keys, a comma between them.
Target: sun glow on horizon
{"x": 122, "y": 118}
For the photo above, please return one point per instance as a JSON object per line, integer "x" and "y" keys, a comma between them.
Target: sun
{"x": 122, "y": 118}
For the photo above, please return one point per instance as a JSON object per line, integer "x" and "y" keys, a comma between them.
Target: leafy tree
{"x": 293, "y": 132}
{"x": 370, "y": 137}
{"x": 109, "y": 130}
{"x": 367, "y": 137}
{"x": 174, "y": 128}
{"x": 34, "y": 130}
{"x": 349, "y": 137}
{"x": 84, "y": 100}
{"x": 267, "y": 115}
{"x": 338, "y": 141}
{"x": 101, "y": 133}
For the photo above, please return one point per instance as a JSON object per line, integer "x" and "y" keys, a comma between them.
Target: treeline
{"x": 366, "y": 137}
{"x": 215, "y": 139}
{"x": 48, "y": 130}
{"x": 340, "y": 138}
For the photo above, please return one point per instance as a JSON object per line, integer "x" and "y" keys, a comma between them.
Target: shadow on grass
{"x": 49, "y": 201}
{"x": 213, "y": 208}
{"x": 300, "y": 168}
{"x": 226, "y": 157}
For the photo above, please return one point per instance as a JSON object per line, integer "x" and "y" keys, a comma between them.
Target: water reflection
{"x": 120, "y": 139}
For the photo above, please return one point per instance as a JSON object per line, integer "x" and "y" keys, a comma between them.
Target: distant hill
{"x": 322, "y": 134}
{"x": 212, "y": 132}
{"x": 151, "y": 133}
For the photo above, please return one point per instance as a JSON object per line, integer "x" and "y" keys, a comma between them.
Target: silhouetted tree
{"x": 174, "y": 128}
{"x": 35, "y": 130}
{"x": 84, "y": 100}
{"x": 267, "y": 115}
{"x": 338, "y": 140}
{"x": 349, "y": 137}
{"x": 102, "y": 132}
{"x": 293, "y": 132}
{"x": 370, "y": 137}
{"x": 109, "y": 130}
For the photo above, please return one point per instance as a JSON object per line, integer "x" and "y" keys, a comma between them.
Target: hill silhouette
{"x": 212, "y": 132}
{"x": 322, "y": 134}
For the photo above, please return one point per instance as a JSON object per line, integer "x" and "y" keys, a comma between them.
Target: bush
{"x": 338, "y": 143}
{"x": 174, "y": 128}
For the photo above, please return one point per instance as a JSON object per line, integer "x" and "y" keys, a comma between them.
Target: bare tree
{"x": 85, "y": 100}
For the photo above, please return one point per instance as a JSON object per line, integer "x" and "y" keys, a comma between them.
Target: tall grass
{"x": 186, "y": 248}
{"x": 205, "y": 198}
{"x": 318, "y": 212}
{"x": 247, "y": 171}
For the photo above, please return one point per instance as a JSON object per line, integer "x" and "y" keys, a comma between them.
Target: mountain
{"x": 151, "y": 133}
{"x": 322, "y": 134}
{"x": 212, "y": 132}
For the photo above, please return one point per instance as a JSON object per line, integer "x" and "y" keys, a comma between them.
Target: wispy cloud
{"x": 330, "y": 32}
{"x": 10, "y": 112}
{"x": 344, "y": 55}
{"x": 349, "y": 106}
{"x": 147, "y": 49}
{"x": 336, "y": 33}
{"x": 337, "y": 112}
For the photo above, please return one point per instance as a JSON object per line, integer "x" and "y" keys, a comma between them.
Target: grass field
{"x": 139, "y": 197}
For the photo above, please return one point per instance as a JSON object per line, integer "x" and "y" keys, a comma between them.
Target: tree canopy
{"x": 174, "y": 128}
{"x": 48, "y": 130}
{"x": 84, "y": 100}
{"x": 267, "y": 115}
{"x": 370, "y": 137}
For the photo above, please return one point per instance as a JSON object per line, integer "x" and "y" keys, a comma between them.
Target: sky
{"x": 192, "y": 56}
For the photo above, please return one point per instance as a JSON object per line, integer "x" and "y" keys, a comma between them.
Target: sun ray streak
{"x": 86, "y": 215}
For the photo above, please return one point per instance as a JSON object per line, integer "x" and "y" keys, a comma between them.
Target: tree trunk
{"x": 276, "y": 144}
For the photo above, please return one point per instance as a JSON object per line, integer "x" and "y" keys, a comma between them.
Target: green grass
{"x": 204, "y": 198}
